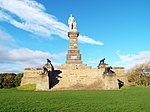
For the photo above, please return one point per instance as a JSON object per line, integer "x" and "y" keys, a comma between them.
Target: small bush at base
{"x": 27, "y": 87}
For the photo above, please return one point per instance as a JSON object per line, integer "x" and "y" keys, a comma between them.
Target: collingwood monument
{"x": 73, "y": 74}
{"x": 73, "y": 56}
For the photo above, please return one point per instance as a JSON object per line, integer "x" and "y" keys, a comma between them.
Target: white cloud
{"x": 27, "y": 54}
{"x": 5, "y": 36}
{"x": 86, "y": 39}
{"x": 11, "y": 68}
{"x": 30, "y": 16}
{"x": 130, "y": 60}
{"x": 23, "y": 57}
{"x": 23, "y": 54}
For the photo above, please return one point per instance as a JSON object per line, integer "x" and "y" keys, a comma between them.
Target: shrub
{"x": 27, "y": 87}
{"x": 17, "y": 80}
{"x": 9, "y": 80}
{"x": 139, "y": 75}
{"x": 1, "y": 80}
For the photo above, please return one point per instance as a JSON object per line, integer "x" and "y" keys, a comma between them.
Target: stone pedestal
{"x": 110, "y": 82}
{"x": 42, "y": 83}
{"x": 73, "y": 55}
{"x": 48, "y": 66}
{"x": 73, "y": 66}
{"x": 103, "y": 65}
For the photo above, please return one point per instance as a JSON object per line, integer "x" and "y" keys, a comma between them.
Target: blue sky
{"x": 33, "y": 30}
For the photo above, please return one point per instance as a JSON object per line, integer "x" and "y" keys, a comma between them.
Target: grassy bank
{"x": 134, "y": 99}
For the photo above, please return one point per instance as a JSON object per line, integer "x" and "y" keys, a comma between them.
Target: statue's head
{"x": 71, "y": 15}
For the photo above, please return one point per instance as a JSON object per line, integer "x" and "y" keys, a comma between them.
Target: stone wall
{"x": 34, "y": 76}
{"x": 75, "y": 79}
{"x": 110, "y": 82}
{"x": 120, "y": 73}
{"x": 43, "y": 83}
{"x": 73, "y": 66}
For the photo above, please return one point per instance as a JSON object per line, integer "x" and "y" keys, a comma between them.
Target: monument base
{"x": 103, "y": 65}
{"x": 110, "y": 82}
{"x": 80, "y": 79}
{"x": 74, "y": 57}
{"x": 74, "y": 77}
{"x": 73, "y": 66}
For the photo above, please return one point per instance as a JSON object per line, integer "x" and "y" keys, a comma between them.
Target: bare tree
{"x": 140, "y": 74}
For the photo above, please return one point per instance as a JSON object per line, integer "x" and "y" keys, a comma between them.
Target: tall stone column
{"x": 73, "y": 58}
{"x": 73, "y": 55}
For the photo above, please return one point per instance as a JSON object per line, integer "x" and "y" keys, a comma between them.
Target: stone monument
{"x": 73, "y": 56}
{"x": 74, "y": 75}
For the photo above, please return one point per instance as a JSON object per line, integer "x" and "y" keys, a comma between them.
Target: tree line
{"x": 140, "y": 74}
{"x": 10, "y": 80}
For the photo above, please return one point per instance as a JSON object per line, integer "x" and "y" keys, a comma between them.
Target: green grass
{"x": 133, "y": 99}
{"x": 27, "y": 87}
{"x": 126, "y": 86}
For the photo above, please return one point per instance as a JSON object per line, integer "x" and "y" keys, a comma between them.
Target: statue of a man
{"x": 71, "y": 22}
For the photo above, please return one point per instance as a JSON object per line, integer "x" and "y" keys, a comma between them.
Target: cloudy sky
{"x": 33, "y": 30}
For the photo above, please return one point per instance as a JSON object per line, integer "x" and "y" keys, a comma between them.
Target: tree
{"x": 8, "y": 81}
{"x": 17, "y": 79}
{"x": 1, "y": 81}
{"x": 140, "y": 74}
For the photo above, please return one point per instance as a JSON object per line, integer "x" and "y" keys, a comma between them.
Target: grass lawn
{"x": 134, "y": 99}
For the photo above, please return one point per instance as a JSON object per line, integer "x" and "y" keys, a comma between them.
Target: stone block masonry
{"x": 74, "y": 79}
{"x": 34, "y": 76}
{"x": 73, "y": 55}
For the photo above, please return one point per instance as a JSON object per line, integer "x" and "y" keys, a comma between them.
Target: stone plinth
{"x": 103, "y": 65}
{"x": 119, "y": 70}
{"x": 43, "y": 82}
{"x": 31, "y": 76}
{"x": 80, "y": 79}
{"x": 110, "y": 82}
{"x": 73, "y": 66}
{"x": 48, "y": 66}
{"x": 35, "y": 76}
{"x": 73, "y": 55}
{"x": 74, "y": 77}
